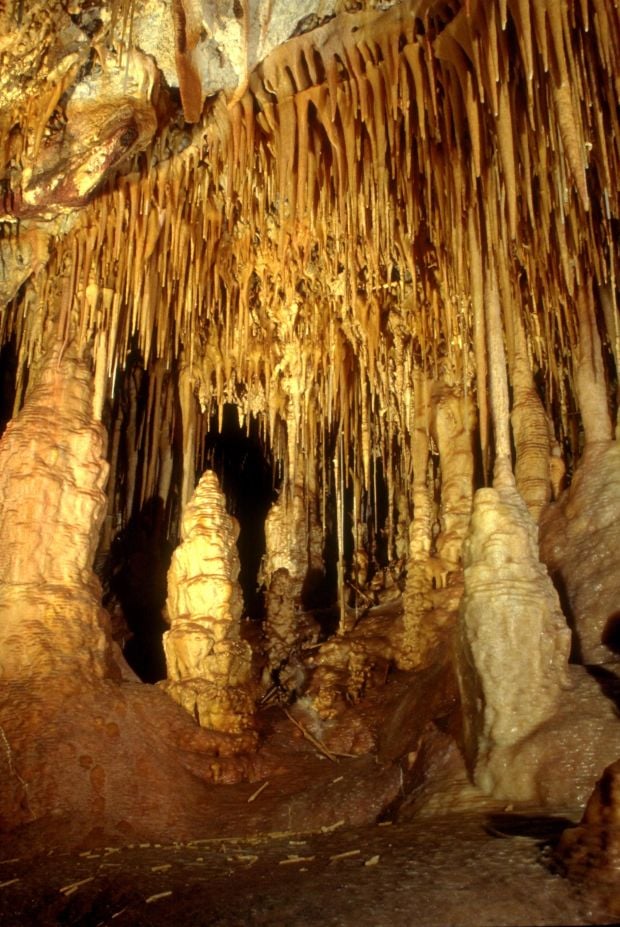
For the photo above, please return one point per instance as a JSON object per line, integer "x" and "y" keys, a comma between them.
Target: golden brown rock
{"x": 453, "y": 423}
{"x": 209, "y": 667}
{"x": 293, "y": 551}
{"x": 52, "y": 502}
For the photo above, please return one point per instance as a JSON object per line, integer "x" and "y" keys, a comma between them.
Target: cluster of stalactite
{"x": 326, "y": 245}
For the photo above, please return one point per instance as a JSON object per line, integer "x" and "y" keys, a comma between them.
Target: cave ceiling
{"x": 316, "y": 211}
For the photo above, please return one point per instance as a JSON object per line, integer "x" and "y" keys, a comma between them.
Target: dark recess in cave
{"x": 138, "y": 567}
{"x": 8, "y": 375}
{"x": 250, "y": 483}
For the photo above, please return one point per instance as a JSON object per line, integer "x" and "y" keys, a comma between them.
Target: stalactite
{"x": 590, "y": 382}
{"x": 498, "y": 380}
{"x": 530, "y": 430}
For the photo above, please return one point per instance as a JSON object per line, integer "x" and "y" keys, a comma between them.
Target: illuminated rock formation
{"x": 524, "y": 709}
{"x": 509, "y": 687}
{"x": 52, "y": 477}
{"x": 453, "y": 423}
{"x": 209, "y": 667}
{"x": 385, "y": 233}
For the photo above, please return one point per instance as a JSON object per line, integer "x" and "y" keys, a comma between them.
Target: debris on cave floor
{"x": 464, "y": 869}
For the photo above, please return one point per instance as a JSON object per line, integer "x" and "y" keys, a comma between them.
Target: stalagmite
{"x": 52, "y": 503}
{"x": 209, "y": 666}
{"x": 520, "y": 702}
{"x": 292, "y": 561}
{"x": 383, "y": 232}
{"x": 513, "y": 643}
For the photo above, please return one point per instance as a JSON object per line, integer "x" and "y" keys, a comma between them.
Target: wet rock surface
{"x": 463, "y": 869}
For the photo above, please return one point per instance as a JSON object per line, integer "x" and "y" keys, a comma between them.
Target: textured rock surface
{"x": 513, "y": 642}
{"x": 214, "y": 47}
{"x": 579, "y": 542}
{"x": 292, "y": 552}
{"x": 453, "y": 421}
{"x": 526, "y": 712}
{"x": 52, "y": 474}
{"x": 591, "y": 851}
{"x": 209, "y": 667}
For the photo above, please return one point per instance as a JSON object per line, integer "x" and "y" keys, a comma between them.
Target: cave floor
{"x": 463, "y": 869}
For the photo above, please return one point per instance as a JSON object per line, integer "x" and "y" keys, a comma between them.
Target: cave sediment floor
{"x": 369, "y": 840}
{"x": 463, "y": 869}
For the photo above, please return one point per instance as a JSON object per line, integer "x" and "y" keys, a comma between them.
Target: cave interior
{"x": 309, "y": 409}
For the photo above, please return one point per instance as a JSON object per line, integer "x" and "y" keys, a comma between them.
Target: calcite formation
{"x": 52, "y": 502}
{"x": 385, "y": 232}
{"x": 580, "y": 540}
{"x": 293, "y": 554}
{"x": 525, "y": 710}
{"x": 513, "y": 642}
{"x": 209, "y": 666}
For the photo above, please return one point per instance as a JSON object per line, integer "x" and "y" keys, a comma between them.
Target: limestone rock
{"x": 591, "y": 851}
{"x": 579, "y": 542}
{"x": 52, "y": 502}
{"x": 453, "y": 423}
{"x": 204, "y": 48}
{"x": 527, "y": 714}
{"x": 209, "y": 667}
{"x": 292, "y": 551}
{"x": 513, "y": 645}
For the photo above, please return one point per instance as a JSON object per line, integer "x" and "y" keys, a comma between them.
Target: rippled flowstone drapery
{"x": 209, "y": 666}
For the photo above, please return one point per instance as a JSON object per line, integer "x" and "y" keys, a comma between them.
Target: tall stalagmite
{"x": 209, "y": 666}
{"x": 52, "y": 503}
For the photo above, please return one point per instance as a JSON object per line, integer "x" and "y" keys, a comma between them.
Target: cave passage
{"x": 250, "y": 482}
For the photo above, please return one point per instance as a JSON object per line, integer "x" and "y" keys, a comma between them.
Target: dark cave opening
{"x": 250, "y": 481}
{"x": 8, "y": 377}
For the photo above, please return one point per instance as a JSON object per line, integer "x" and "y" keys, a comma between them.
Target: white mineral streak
{"x": 209, "y": 667}
{"x": 580, "y": 539}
